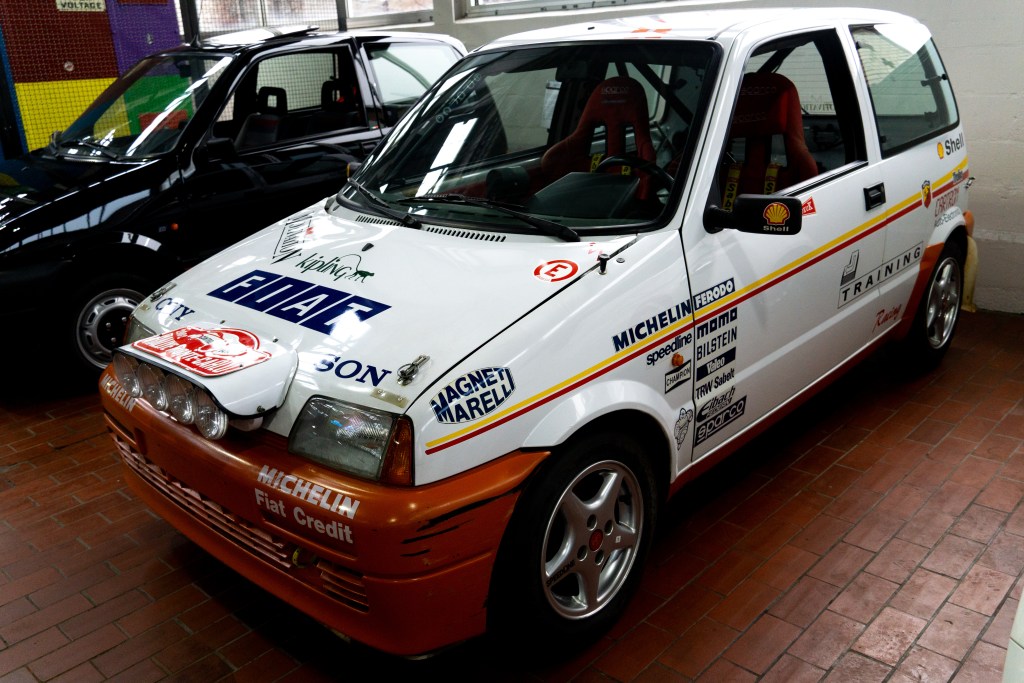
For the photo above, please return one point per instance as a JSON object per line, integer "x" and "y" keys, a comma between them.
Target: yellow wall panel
{"x": 49, "y": 106}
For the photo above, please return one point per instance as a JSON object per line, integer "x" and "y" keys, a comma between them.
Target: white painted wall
{"x": 982, "y": 46}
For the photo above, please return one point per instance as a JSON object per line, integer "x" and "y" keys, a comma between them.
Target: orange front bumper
{"x": 404, "y": 570}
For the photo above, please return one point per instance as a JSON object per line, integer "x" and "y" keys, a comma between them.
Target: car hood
{"x": 360, "y": 301}
{"x": 41, "y": 193}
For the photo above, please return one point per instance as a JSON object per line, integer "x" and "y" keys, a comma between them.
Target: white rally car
{"x": 585, "y": 266}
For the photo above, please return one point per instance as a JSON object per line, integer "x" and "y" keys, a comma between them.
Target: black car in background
{"x": 191, "y": 150}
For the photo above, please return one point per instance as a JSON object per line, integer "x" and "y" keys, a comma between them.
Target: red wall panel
{"x": 42, "y": 42}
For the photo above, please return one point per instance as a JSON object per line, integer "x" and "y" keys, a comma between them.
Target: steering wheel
{"x": 657, "y": 173}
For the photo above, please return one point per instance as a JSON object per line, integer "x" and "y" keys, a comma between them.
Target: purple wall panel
{"x": 141, "y": 29}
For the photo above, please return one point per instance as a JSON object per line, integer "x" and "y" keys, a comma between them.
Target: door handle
{"x": 874, "y": 196}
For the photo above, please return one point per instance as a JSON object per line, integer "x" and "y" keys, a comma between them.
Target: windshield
{"x": 591, "y": 136}
{"x": 143, "y": 113}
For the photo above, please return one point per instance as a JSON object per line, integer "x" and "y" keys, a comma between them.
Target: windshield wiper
{"x": 89, "y": 144}
{"x": 547, "y": 227}
{"x": 382, "y": 206}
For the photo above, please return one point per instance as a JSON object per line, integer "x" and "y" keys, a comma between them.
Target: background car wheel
{"x": 100, "y": 317}
{"x": 938, "y": 311}
{"x": 575, "y": 547}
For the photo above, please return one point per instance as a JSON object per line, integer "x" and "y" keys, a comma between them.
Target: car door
{"x": 283, "y": 140}
{"x": 774, "y": 312}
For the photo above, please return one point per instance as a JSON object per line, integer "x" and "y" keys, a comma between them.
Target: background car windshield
{"x": 586, "y": 135}
{"x": 144, "y": 112}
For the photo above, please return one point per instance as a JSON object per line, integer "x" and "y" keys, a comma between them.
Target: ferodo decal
{"x": 556, "y": 271}
{"x": 473, "y": 395}
{"x": 330, "y": 501}
{"x": 314, "y": 306}
{"x": 713, "y": 294}
{"x": 208, "y": 353}
{"x": 346, "y": 267}
{"x": 173, "y": 309}
{"x": 776, "y": 216}
{"x": 850, "y": 289}
{"x": 716, "y": 414}
{"x": 296, "y": 231}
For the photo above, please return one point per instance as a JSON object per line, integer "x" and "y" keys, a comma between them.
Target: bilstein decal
{"x": 473, "y": 395}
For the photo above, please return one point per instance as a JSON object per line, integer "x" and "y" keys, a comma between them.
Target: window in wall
{"x": 910, "y": 92}
{"x": 221, "y": 16}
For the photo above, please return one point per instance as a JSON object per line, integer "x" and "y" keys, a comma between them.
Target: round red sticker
{"x": 556, "y": 271}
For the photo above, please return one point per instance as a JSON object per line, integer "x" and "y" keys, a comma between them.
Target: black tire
{"x": 938, "y": 311}
{"x": 98, "y": 317}
{"x": 575, "y": 547}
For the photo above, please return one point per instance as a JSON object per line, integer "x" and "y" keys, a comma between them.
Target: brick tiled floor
{"x": 875, "y": 534}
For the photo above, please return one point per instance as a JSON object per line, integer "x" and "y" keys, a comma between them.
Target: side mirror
{"x": 217, "y": 149}
{"x": 757, "y": 213}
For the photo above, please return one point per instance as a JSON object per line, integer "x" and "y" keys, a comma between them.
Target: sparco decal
{"x": 473, "y": 395}
{"x": 715, "y": 424}
{"x": 350, "y": 368}
{"x": 713, "y": 294}
{"x": 314, "y": 306}
{"x": 314, "y": 494}
{"x": 297, "y": 229}
{"x": 646, "y": 328}
{"x": 852, "y": 289}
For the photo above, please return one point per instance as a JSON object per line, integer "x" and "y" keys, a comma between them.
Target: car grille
{"x": 342, "y": 584}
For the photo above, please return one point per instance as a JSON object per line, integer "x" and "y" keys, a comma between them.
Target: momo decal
{"x": 715, "y": 352}
{"x": 713, "y": 294}
{"x": 646, "y": 328}
{"x": 716, "y": 414}
{"x": 670, "y": 348}
{"x": 556, "y": 271}
{"x": 350, "y": 368}
{"x": 676, "y": 376}
{"x": 850, "y": 288}
{"x": 346, "y": 267}
{"x": 296, "y": 231}
{"x": 207, "y": 353}
{"x": 117, "y": 392}
{"x": 682, "y": 425}
{"x": 314, "y": 306}
{"x": 173, "y": 309}
{"x": 473, "y": 395}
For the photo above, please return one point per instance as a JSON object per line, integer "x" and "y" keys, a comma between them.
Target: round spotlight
{"x": 152, "y": 381}
{"x": 126, "y": 371}
{"x": 211, "y": 420}
{"x": 181, "y": 402}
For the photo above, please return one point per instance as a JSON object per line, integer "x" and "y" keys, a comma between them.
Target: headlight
{"x": 126, "y": 371}
{"x": 152, "y": 381}
{"x": 210, "y": 419}
{"x": 181, "y": 402}
{"x": 348, "y": 438}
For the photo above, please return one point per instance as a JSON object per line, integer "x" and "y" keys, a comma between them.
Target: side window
{"x": 910, "y": 92}
{"x": 293, "y": 96}
{"x": 796, "y": 117}
{"x": 404, "y": 71}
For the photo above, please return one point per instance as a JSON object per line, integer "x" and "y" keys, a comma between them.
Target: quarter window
{"x": 910, "y": 92}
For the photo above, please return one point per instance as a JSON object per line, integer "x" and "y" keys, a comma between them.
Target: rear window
{"x": 910, "y": 92}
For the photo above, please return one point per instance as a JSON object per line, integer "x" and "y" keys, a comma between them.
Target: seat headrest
{"x": 271, "y": 100}
{"x": 615, "y": 101}
{"x": 332, "y": 94}
{"x": 768, "y": 105}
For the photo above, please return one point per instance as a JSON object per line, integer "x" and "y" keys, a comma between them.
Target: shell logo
{"x": 942, "y": 152}
{"x": 776, "y": 213}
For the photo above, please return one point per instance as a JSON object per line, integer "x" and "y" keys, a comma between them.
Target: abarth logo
{"x": 926, "y": 193}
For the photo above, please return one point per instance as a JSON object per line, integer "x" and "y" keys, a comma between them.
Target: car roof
{"x": 703, "y": 25}
{"x": 260, "y": 39}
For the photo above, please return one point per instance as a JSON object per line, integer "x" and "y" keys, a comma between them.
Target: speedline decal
{"x": 722, "y": 304}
